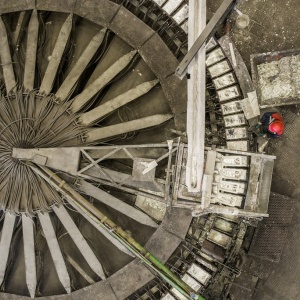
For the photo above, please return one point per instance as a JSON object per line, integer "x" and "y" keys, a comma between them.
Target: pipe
{"x": 138, "y": 250}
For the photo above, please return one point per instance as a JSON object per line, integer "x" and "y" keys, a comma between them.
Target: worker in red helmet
{"x": 271, "y": 125}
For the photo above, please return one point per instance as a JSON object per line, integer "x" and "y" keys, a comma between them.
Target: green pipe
{"x": 117, "y": 232}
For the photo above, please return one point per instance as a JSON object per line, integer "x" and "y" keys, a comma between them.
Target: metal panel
{"x": 238, "y": 145}
{"x": 171, "y": 6}
{"x": 182, "y": 14}
{"x": 236, "y": 133}
{"x": 191, "y": 282}
{"x": 219, "y": 69}
{"x": 224, "y": 225}
{"x": 234, "y": 120}
{"x": 231, "y": 173}
{"x": 224, "y": 81}
{"x": 233, "y": 187}
{"x": 231, "y": 107}
{"x": 199, "y": 274}
{"x": 229, "y": 93}
{"x": 212, "y": 43}
{"x": 229, "y": 199}
{"x": 219, "y": 238}
{"x": 234, "y": 160}
{"x": 168, "y": 297}
{"x": 214, "y": 57}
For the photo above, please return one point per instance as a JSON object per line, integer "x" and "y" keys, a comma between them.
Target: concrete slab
{"x": 101, "y": 290}
{"x": 158, "y": 57}
{"x": 130, "y": 28}
{"x": 100, "y": 12}
{"x": 176, "y": 93}
{"x": 56, "y": 5}
{"x": 7, "y": 6}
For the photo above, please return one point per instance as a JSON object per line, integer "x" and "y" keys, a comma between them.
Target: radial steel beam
{"x": 56, "y": 57}
{"x": 116, "y": 203}
{"x": 102, "y": 110}
{"x": 31, "y": 51}
{"x": 6, "y": 236}
{"x": 110, "y": 131}
{"x": 70, "y": 81}
{"x": 196, "y": 99}
{"x": 55, "y": 251}
{"x": 6, "y": 60}
{"x": 74, "y": 198}
{"x": 79, "y": 241}
{"x": 29, "y": 253}
{"x": 83, "y": 98}
{"x": 205, "y": 35}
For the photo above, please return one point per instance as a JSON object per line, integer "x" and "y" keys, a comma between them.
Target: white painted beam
{"x": 196, "y": 99}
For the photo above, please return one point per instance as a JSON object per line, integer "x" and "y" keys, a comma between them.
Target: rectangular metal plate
{"x": 199, "y": 274}
{"x": 236, "y": 133}
{"x": 219, "y": 69}
{"x": 168, "y": 297}
{"x": 224, "y": 225}
{"x": 240, "y": 145}
{"x": 234, "y": 161}
{"x": 211, "y": 44}
{"x": 224, "y": 81}
{"x": 219, "y": 238}
{"x": 229, "y": 93}
{"x": 233, "y": 173}
{"x": 231, "y": 107}
{"x": 229, "y": 199}
{"x": 235, "y": 120}
{"x": 214, "y": 56}
{"x": 177, "y": 294}
{"x": 233, "y": 187}
{"x": 191, "y": 282}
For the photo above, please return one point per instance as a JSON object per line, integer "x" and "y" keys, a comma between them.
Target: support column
{"x": 196, "y": 98}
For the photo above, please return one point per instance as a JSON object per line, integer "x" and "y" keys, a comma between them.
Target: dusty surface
{"x": 274, "y": 26}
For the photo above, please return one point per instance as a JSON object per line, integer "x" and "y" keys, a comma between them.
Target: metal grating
{"x": 270, "y": 235}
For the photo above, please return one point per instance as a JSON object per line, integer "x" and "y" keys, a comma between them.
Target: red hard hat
{"x": 277, "y": 127}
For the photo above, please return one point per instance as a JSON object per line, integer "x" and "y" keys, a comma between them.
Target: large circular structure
{"x": 79, "y": 73}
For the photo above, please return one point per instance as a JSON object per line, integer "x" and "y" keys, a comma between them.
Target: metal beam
{"x": 80, "y": 100}
{"x": 55, "y": 251}
{"x": 70, "y": 81}
{"x": 116, "y": 203}
{"x": 6, "y": 60}
{"x": 79, "y": 240}
{"x": 110, "y": 131}
{"x": 196, "y": 99}
{"x": 6, "y": 236}
{"x": 31, "y": 51}
{"x": 56, "y": 57}
{"x": 206, "y": 34}
{"x": 29, "y": 253}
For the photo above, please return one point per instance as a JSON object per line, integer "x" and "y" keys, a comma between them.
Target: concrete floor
{"x": 274, "y": 26}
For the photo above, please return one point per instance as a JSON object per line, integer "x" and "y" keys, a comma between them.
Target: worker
{"x": 271, "y": 125}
